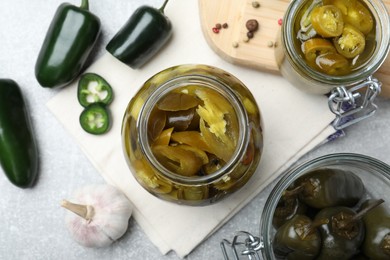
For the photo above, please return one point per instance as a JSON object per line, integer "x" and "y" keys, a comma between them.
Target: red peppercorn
{"x": 215, "y": 30}
{"x": 280, "y": 21}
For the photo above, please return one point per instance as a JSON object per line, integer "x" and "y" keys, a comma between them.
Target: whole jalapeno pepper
{"x": 72, "y": 34}
{"x": 288, "y": 206}
{"x": 142, "y": 36}
{"x": 376, "y": 244}
{"x": 344, "y": 233}
{"x": 298, "y": 238}
{"x": 18, "y": 149}
{"x": 330, "y": 187}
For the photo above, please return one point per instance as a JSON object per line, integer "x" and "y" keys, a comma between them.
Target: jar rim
{"x": 181, "y": 81}
{"x": 298, "y": 170}
{"x": 382, "y": 20}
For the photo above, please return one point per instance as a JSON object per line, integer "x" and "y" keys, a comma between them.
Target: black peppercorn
{"x": 252, "y": 25}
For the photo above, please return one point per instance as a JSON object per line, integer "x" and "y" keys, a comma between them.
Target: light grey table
{"x": 32, "y": 222}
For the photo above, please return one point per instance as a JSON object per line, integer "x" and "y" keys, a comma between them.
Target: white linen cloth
{"x": 294, "y": 123}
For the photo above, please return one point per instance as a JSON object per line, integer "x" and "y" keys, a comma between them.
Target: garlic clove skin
{"x": 105, "y": 219}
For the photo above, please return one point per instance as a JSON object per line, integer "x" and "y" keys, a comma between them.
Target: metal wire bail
{"x": 249, "y": 247}
{"x": 354, "y": 104}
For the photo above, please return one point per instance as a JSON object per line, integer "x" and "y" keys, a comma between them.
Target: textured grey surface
{"x": 32, "y": 222}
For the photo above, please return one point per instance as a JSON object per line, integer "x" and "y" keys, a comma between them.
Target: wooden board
{"x": 256, "y": 53}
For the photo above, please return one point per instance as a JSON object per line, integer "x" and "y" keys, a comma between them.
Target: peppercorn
{"x": 218, "y": 26}
{"x": 252, "y": 25}
{"x": 225, "y": 25}
{"x": 249, "y": 35}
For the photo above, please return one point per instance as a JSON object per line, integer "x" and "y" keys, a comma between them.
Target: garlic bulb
{"x": 99, "y": 215}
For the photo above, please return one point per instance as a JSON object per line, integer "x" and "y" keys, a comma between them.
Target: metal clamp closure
{"x": 249, "y": 247}
{"x": 353, "y": 104}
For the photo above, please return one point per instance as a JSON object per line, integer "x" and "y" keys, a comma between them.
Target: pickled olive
{"x": 332, "y": 64}
{"x": 317, "y": 46}
{"x": 287, "y": 208}
{"x": 360, "y": 17}
{"x": 343, "y": 235}
{"x": 177, "y": 101}
{"x": 164, "y": 138}
{"x": 191, "y": 138}
{"x": 298, "y": 238}
{"x": 178, "y": 160}
{"x": 327, "y": 20}
{"x": 156, "y": 124}
{"x": 351, "y": 43}
{"x": 330, "y": 187}
{"x": 376, "y": 244}
{"x": 180, "y": 120}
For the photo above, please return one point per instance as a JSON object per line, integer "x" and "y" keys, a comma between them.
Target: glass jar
{"x": 295, "y": 69}
{"x": 374, "y": 174}
{"x": 225, "y": 124}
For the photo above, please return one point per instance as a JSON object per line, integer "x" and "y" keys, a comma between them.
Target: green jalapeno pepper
{"x": 18, "y": 149}
{"x": 297, "y": 239}
{"x": 142, "y": 36}
{"x": 330, "y": 187}
{"x": 69, "y": 41}
{"x": 376, "y": 244}
{"x": 95, "y": 119}
{"x": 93, "y": 88}
{"x": 288, "y": 206}
{"x": 344, "y": 233}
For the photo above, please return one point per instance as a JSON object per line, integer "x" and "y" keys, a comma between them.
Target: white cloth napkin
{"x": 294, "y": 122}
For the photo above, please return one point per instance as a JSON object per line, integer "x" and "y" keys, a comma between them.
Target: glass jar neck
{"x": 381, "y": 18}
{"x": 201, "y": 81}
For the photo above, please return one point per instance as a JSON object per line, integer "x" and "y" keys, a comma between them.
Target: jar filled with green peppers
{"x": 330, "y": 43}
{"x": 192, "y": 135}
{"x": 332, "y": 207}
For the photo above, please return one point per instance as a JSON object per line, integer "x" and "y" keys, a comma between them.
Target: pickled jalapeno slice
{"x": 327, "y": 20}
{"x": 177, "y": 101}
{"x": 360, "y": 17}
{"x": 315, "y": 47}
{"x": 181, "y": 161}
{"x": 351, "y": 43}
{"x": 332, "y": 64}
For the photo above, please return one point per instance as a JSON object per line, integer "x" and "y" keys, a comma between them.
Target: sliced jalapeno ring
{"x": 351, "y": 43}
{"x": 315, "y": 47}
{"x": 332, "y": 64}
{"x": 95, "y": 119}
{"x": 93, "y": 88}
{"x": 327, "y": 20}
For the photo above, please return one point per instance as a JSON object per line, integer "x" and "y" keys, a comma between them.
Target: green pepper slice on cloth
{"x": 93, "y": 88}
{"x": 142, "y": 36}
{"x": 18, "y": 149}
{"x": 69, "y": 41}
{"x": 95, "y": 119}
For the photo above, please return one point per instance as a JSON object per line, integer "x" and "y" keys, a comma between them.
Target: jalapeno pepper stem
{"x": 346, "y": 223}
{"x": 85, "y": 211}
{"x": 84, "y": 4}
{"x": 308, "y": 229}
{"x": 163, "y": 6}
{"x": 293, "y": 192}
